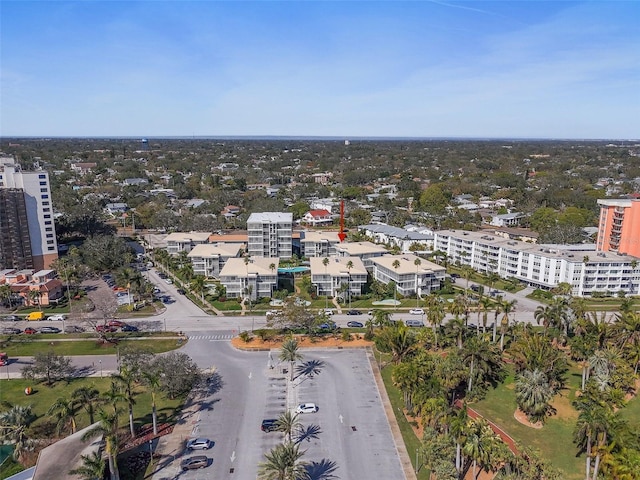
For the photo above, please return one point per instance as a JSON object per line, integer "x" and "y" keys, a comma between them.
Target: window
{"x": 47, "y": 222}
{"x": 42, "y": 175}
{"x": 45, "y": 203}
{"x": 48, "y": 229}
{"x": 47, "y": 216}
{"x": 49, "y": 235}
{"x": 43, "y": 184}
{"x": 51, "y": 248}
{"x": 49, "y": 242}
{"x": 43, "y": 190}
{"x": 44, "y": 197}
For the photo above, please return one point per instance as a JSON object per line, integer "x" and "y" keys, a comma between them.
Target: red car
{"x": 30, "y": 331}
{"x": 116, "y": 323}
{"x": 105, "y": 328}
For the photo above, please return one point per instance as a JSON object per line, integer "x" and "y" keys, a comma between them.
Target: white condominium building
{"x": 208, "y": 259}
{"x": 365, "y": 251}
{"x": 270, "y": 234}
{"x": 410, "y": 273}
{"x": 542, "y": 266}
{"x": 185, "y": 241}
{"x": 331, "y": 274}
{"x": 26, "y": 216}
{"x": 318, "y": 243}
{"x": 253, "y": 277}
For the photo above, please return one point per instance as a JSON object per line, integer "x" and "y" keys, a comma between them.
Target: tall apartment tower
{"x": 619, "y": 227}
{"x": 26, "y": 217}
{"x": 270, "y": 234}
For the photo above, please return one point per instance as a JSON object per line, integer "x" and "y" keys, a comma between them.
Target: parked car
{"x": 199, "y": 444}
{"x": 56, "y": 318}
{"x": 116, "y": 323}
{"x": 181, "y": 291}
{"x": 328, "y": 326}
{"x": 105, "y": 328}
{"x": 10, "y": 318}
{"x": 191, "y": 463}
{"x": 307, "y": 408}
{"x": 73, "y": 329}
{"x": 168, "y": 281}
{"x": 50, "y": 330}
{"x": 414, "y": 323}
{"x": 129, "y": 328}
{"x": 353, "y": 324}
{"x": 11, "y": 331}
{"x": 30, "y": 331}
{"x": 416, "y": 311}
{"x": 269, "y": 425}
{"x": 328, "y": 311}
{"x": 354, "y": 312}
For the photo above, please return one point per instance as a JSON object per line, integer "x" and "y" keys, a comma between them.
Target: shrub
{"x": 346, "y": 336}
{"x": 246, "y": 336}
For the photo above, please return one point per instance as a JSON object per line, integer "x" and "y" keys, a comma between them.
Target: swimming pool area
{"x": 293, "y": 270}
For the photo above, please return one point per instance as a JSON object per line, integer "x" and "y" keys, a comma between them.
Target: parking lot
{"x": 348, "y": 436}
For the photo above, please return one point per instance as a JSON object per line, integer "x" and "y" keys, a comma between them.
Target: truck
{"x": 35, "y": 316}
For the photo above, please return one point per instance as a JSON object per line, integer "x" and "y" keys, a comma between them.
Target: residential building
{"x": 619, "y": 226}
{"x": 318, "y": 243}
{"x": 339, "y": 276}
{"x": 365, "y": 251}
{"x": 116, "y": 209}
{"x": 397, "y": 237}
{"x": 255, "y": 277}
{"x": 317, "y": 218}
{"x": 185, "y": 241}
{"x": 543, "y": 266}
{"x": 270, "y": 234}
{"x": 208, "y": 259}
{"x": 410, "y": 273}
{"x": 28, "y": 220}
{"x": 507, "y": 219}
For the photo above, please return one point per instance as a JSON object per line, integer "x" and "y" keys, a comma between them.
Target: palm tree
{"x": 483, "y": 359}
{"x": 507, "y": 307}
{"x": 14, "y": 429}
{"x": 126, "y": 380}
{"x": 349, "y": 267}
{"x": 288, "y": 423}
{"x": 34, "y": 297}
{"x": 395, "y": 265}
{"x": 325, "y": 262}
{"x": 6, "y": 293}
{"x": 435, "y": 314}
{"x": 152, "y": 380}
{"x": 107, "y": 426}
{"x": 458, "y": 429}
{"x": 92, "y": 467}
{"x": 283, "y": 463}
{"x": 533, "y": 394}
{"x": 88, "y": 398}
{"x": 397, "y": 339}
{"x": 381, "y": 318}
{"x": 290, "y": 352}
{"x": 583, "y": 435}
{"x": 483, "y": 311}
{"x": 417, "y": 262}
{"x": 198, "y": 286}
{"x": 64, "y": 411}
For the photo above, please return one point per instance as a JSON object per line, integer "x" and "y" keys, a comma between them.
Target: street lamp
{"x": 100, "y": 362}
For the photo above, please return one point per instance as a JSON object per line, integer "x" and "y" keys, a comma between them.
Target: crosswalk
{"x": 212, "y": 338}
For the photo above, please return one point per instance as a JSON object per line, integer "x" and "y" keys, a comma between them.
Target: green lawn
{"x": 554, "y": 440}
{"x": 27, "y": 348}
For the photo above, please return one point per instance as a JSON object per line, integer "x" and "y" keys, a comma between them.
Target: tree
{"x": 107, "y": 426}
{"x": 14, "y": 429}
{"x": 325, "y": 262}
{"x": 178, "y": 373}
{"x": 49, "y": 366}
{"x": 395, "y": 265}
{"x": 506, "y": 307}
{"x": 6, "y": 294}
{"x": 349, "y": 267}
{"x": 152, "y": 380}
{"x": 533, "y": 394}
{"x": 89, "y": 398}
{"x": 288, "y": 423}
{"x": 283, "y": 463}
{"x": 290, "y": 352}
{"x": 126, "y": 381}
{"x": 397, "y": 339}
{"x": 435, "y": 314}
{"x": 103, "y": 253}
{"x": 417, "y": 262}
{"x": 485, "y": 362}
{"x": 64, "y": 411}
{"x": 198, "y": 286}
{"x": 92, "y": 467}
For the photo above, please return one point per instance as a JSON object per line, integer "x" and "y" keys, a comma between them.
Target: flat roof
{"x": 407, "y": 264}
{"x": 360, "y": 248}
{"x": 270, "y": 217}
{"x": 337, "y": 266}
{"x": 396, "y": 232}
{"x": 256, "y": 266}
{"x": 220, "y": 249}
{"x": 319, "y": 236}
{"x": 188, "y": 236}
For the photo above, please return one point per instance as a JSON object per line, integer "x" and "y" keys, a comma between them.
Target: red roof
{"x": 319, "y": 213}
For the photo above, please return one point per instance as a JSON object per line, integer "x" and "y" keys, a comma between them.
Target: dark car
{"x": 328, "y": 326}
{"x": 181, "y": 291}
{"x": 11, "y": 331}
{"x": 269, "y": 425}
{"x": 354, "y": 312}
{"x": 353, "y": 324}
{"x": 73, "y": 329}
{"x": 10, "y": 318}
{"x": 50, "y": 330}
{"x": 30, "y": 331}
{"x": 191, "y": 463}
{"x": 129, "y": 328}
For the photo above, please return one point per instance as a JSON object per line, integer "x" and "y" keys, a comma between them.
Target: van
{"x": 35, "y": 316}
{"x": 414, "y": 323}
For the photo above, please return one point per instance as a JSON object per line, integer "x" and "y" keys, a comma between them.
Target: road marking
{"x": 341, "y": 418}
{"x": 233, "y": 456}
{"x": 250, "y": 375}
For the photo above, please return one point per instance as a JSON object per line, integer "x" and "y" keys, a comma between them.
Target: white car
{"x": 416, "y": 311}
{"x": 199, "y": 444}
{"x": 307, "y": 408}
{"x": 56, "y": 318}
{"x": 168, "y": 281}
{"x": 328, "y": 311}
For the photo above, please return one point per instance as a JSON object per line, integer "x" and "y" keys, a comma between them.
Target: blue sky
{"x": 541, "y": 69}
